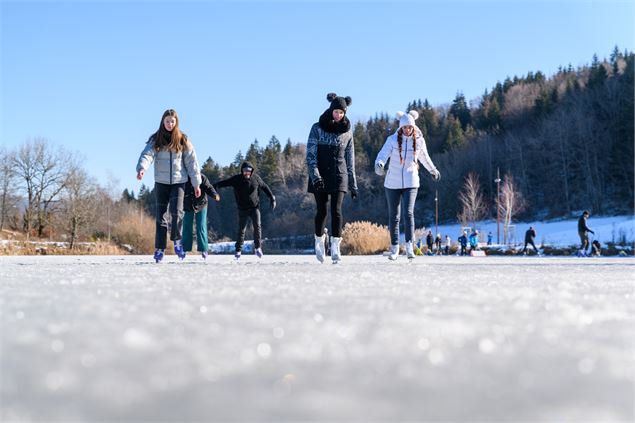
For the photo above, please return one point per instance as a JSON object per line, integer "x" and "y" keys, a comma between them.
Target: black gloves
{"x": 318, "y": 184}
{"x": 354, "y": 193}
{"x": 272, "y": 202}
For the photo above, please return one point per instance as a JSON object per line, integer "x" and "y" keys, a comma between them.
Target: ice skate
{"x": 335, "y": 249}
{"x": 237, "y": 256}
{"x": 319, "y": 248}
{"x": 410, "y": 253}
{"x": 259, "y": 252}
{"x": 158, "y": 255}
{"x": 394, "y": 252}
{"x": 179, "y": 250}
{"x": 204, "y": 255}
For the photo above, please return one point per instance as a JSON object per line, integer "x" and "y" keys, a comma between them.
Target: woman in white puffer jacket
{"x": 403, "y": 151}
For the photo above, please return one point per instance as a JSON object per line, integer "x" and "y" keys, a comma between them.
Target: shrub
{"x": 136, "y": 229}
{"x": 364, "y": 238}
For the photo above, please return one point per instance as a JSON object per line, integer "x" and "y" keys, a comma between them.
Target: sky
{"x": 96, "y": 77}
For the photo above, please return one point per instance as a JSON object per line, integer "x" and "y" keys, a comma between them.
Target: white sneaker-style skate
{"x": 410, "y": 252}
{"x": 319, "y": 248}
{"x": 394, "y": 252}
{"x": 335, "y": 249}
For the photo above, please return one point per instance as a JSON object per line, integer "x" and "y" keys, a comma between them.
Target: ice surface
{"x": 285, "y": 338}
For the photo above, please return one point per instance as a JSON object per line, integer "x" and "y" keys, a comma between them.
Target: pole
{"x": 498, "y": 196}
{"x": 436, "y": 212}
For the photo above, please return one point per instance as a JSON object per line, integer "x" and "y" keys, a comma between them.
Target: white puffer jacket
{"x": 404, "y": 175}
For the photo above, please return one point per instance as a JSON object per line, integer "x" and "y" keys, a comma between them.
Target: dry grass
{"x": 135, "y": 229}
{"x": 365, "y": 238}
{"x": 42, "y": 248}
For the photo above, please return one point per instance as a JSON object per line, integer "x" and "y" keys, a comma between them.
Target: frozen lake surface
{"x": 286, "y": 339}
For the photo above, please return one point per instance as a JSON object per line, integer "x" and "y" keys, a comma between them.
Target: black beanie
{"x": 340, "y": 103}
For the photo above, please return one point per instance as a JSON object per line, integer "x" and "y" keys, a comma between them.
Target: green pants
{"x": 201, "y": 230}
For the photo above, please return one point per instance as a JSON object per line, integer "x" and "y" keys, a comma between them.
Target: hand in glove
{"x": 379, "y": 169}
{"x": 318, "y": 184}
{"x": 436, "y": 175}
{"x": 217, "y": 197}
{"x": 272, "y": 202}
{"x": 353, "y": 194}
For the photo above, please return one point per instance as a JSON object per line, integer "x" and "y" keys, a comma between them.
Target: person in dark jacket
{"x": 463, "y": 243}
{"x": 530, "y": 236}
{"x": 583, "y": 232}
{"x": 247, "y": 188}
{"x": 429, "y": 242}
{"x": 437, "y": 244}
{"x": 196, "y": 207}
{"x": 330, "y": 158}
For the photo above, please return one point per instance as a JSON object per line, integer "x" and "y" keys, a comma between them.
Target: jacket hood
{"x": 247, "y": 164}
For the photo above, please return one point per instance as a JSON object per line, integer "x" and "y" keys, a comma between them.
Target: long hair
{"x": 414, "y": 145}
{"x": 177, "y": 142}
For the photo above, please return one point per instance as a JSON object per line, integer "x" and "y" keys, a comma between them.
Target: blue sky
{"x": 95, "y": 77}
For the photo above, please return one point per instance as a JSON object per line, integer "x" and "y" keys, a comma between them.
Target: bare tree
{"x": 43, "y": 172}
{"x": 511, "y": 202}
{"x": 80, "y": 203}
{"x": 473, "y": 204}
{"x": 8, "y": 198}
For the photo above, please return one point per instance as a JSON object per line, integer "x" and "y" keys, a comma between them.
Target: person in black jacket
{"x": 247, "y": 187}
{"x": 197, "y": 207}
{"x": 330, "y": 158}
{"x": 530, "y": 235}
{"x": 583, "y": 232}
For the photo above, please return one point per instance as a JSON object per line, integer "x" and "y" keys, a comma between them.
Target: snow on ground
{"x": 286, "y": 339}
{"x": 561, "y": 233}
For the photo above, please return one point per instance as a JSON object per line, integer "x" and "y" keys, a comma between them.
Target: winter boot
{"x": 410, "y": 253}
{"x": 259, "y": 252}
{"x": 158, "y": 255}
{"x": 319, "y": 248}
{"x": 179, "y": 250}
{"x": 394, "y": 252}
{"x": 335, "y": 249}
{"x": 204, "y": 255}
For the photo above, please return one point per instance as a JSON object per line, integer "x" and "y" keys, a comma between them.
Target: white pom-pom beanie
{"x": 407, "y": 118}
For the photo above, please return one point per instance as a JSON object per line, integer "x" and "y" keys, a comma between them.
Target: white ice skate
{"x": 319, "y": 248}
{"x": 335, "y": 249}
{"x": 394, "y": 252}
{"x": 410, "y": 252}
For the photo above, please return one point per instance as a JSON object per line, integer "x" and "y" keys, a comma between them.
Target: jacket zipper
{"x": 170, "y": 167}
{"x": 405, "y": 156}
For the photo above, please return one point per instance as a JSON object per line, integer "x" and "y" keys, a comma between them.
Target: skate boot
{"x": 204, "y": 255}
{"x": 237, "y": 255}
{"x": 179, "y": 250}
{"x": 335, "y": 249}
{"x": 394, "y": 252}
{"x": 259, "y": 252}
{"x": 410, "y": 253}
{"x": 319, "y": 248}
{"x": 158, "y": 255}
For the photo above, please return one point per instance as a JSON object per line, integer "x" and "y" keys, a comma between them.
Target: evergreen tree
{"x": 461, "y": 111}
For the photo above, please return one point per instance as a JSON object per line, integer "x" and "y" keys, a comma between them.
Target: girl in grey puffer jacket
{"x": 174, "y": 160}
{"x": 405, "y": 149}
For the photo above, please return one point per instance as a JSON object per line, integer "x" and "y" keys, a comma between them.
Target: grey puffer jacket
{"x": 170, "y": 167}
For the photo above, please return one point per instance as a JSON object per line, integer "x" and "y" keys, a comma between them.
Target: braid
{"x": 399, "y": 142}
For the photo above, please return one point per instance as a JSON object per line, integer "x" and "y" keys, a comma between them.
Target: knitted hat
{"x": 407, "y": 118}
{"x": 340, "y": 103}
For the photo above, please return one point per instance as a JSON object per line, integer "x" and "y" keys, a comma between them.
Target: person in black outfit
{"x": 196, "y": 208}
{"x": 429, "y": 242}
{"x": 530, "y": 235}
{"x": 463, "y": 243}
{"x": 247, "y": 187}
{"x": 330, "y": 159}
{"x": 583, "y": 232}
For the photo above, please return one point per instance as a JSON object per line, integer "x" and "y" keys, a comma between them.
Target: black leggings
{"x": 169, "y": 203}
{"x": 321, "y": 200}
